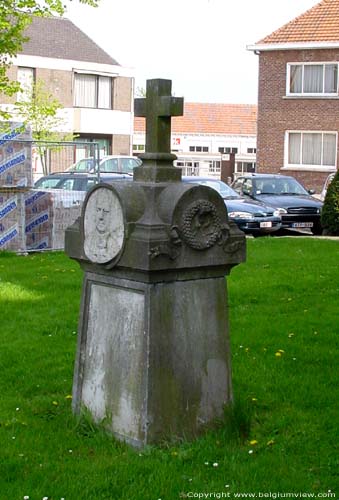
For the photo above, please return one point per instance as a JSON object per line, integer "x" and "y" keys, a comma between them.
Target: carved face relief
{"x": 201, "y": 226}
{"x": 104, "y": 226}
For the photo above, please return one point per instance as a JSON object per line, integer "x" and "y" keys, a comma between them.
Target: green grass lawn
{"x": 281, "y": 437}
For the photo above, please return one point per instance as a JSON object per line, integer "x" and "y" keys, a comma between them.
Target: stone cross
{"x": 151, "y": 363}
{"x": 157, "y": 108}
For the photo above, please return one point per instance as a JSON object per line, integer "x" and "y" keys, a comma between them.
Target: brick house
{"x": 96, "y": 93}
{"x": 298, "y": 99}
{"x": 207, "y": 134}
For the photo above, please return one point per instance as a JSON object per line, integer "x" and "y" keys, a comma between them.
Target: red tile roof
{"x": 318, "y": 24}
{"x": 238, "y": 119}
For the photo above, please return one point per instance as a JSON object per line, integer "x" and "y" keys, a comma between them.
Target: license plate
{"x": 265, "y": 224}
{"x": 302, "y": 224}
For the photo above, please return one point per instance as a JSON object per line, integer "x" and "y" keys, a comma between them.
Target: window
{"x": 199, "y": 149}
{"x": 26, "y": 78}
{"x": 251, "y": 150}
{"x": 188, "y": 167}
{"x": 312, "y": 149}
{"x": 310, "y": 79}
{"x": 92, "y": 91}
{"x": 242, "y": 167}
{"x": 227, "y": 150}
{"x": 214, "y": 166}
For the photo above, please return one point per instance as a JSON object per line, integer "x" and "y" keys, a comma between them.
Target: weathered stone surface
{"x": 114, "y": 346}
{"x": 149, "y": 377}
{"x": 153, "y": 358}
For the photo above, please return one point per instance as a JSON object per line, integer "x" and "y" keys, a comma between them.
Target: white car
{"x": 326, "y": 184}
{"x": 113, "y": 164}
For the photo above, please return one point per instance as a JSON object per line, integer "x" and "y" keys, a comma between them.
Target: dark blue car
{"x": 252, "y": 217}
{"x": 297, "y": 207}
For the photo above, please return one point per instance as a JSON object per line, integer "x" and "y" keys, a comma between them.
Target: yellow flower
{"x": 69, "y": 396}
{"x": 270, "y": 442}
{"x": 55, "y": 403}
{"x": 253, "y": 442}
{"x": 278, "y": 354}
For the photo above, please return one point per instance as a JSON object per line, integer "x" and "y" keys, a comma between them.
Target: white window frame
{"x": 97, "y": 97}
{"x": 214, "y": 166}
{"x": 301, "y": 166}
{"x": 26, "y": 78}
{"x": 310, "y": 94}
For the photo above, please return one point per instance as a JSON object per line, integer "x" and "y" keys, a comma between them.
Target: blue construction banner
{"x": 15, "y": 155}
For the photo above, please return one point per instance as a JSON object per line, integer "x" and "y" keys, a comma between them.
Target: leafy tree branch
{"x": 16, "y": 15}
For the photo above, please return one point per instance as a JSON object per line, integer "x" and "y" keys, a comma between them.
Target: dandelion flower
{"x": 55, "y": 403}
{"x": 278, "y": 354}
{"x": 69, "y": 396}
{"x": 253, "y": 442}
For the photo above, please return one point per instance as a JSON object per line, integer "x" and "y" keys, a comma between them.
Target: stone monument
{"x": 153, "y": 356}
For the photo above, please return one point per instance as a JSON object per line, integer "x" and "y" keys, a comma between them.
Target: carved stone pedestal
{"x": 153, "y": 359}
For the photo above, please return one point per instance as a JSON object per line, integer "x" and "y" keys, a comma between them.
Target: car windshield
{"x": 47, "y": 183}
{"x": 278, "y": 186}
{"x": 117, "y": 165}
{"x": 128, "y": 164}
{"x": 223, "y": 189}
{"x": 84, "y": 165}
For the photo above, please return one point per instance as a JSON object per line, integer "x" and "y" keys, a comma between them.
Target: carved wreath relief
{"x": 201, "y": 227}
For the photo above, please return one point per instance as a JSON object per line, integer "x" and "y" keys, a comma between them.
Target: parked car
{"x": 112, "y": 164}
{"x": 298, "y": 209}
{"x": 252, "y": 217}
{"x": 75, "y": 181}
{"x": 325, "y": 187}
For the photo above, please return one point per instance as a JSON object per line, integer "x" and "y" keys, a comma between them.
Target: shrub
{"x": 330, "y": 211}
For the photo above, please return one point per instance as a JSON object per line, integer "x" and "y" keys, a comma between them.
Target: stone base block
{"x": 153, "y": 360}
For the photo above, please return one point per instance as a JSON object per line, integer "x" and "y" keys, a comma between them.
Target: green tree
{"x": 330, "y": 211}
{"x": 39, "y": 108}
{"x": 16, "y": 15}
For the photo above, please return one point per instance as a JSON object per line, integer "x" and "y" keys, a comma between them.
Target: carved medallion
{"x": 103, "y": 226}
{"x": 201, "y": 226}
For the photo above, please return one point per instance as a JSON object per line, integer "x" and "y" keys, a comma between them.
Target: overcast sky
{"x": 199, "y": 44}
